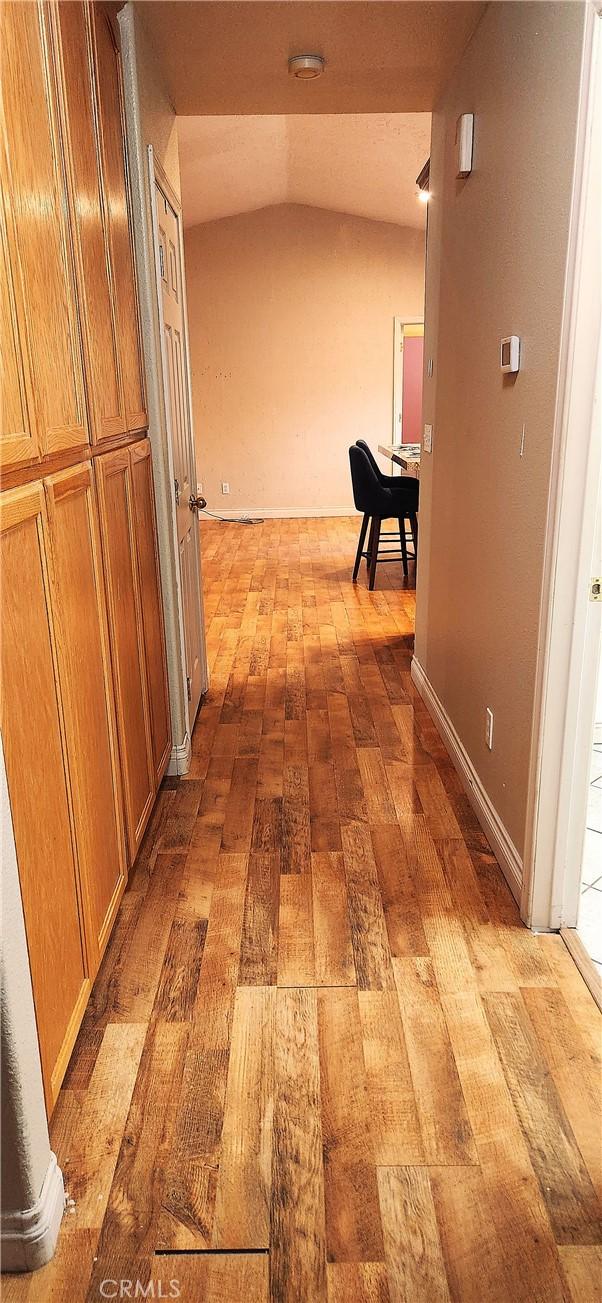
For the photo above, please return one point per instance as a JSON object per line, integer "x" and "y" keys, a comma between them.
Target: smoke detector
{"x": 306, "y": 67}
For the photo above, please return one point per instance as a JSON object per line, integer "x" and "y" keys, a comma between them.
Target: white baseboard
{"x": 501, "y": 843}
{"x": 29, "y": 1238}
{"x": 283, "y": 513}
{"x": 179, "y": 760}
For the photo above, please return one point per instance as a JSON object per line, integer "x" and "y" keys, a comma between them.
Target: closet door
{"x": 112, "y": 149}
{"x": 41, "y": 293}
{"x": 150, "y": 600}
{"x": 117, "y": 525}
{"x": 73, "y": 50}
{"x": 32, "y": 730}
{"x": 78, "y": 602}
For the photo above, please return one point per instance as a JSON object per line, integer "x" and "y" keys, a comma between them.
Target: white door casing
{"x": 171, "y": 296}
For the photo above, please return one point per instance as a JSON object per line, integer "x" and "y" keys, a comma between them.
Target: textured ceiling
{"x": 364, "y": 164}
{"x": 381, "y": 57}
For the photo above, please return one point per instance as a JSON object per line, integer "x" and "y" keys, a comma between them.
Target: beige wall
{"x": 497, "y": 249}
{"x": 291, "y": 328}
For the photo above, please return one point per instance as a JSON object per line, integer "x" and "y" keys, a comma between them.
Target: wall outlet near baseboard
{"x": 427, "y": 440}
{"x": 489, "y": 728}
{"x": 225, "y": 486}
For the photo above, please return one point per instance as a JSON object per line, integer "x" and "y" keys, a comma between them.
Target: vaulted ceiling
{"x": 365, "y": 164}
{"x": 382, "y": 56}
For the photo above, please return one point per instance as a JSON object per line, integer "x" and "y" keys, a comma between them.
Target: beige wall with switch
{"x": 291, "y": 314}
{"x": 497, "y": 256}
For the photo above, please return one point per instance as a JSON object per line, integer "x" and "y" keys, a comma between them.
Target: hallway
{"x": 320, "y": 1033}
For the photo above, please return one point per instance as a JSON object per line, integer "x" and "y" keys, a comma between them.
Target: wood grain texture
{"x": 359, "y": 1119}
{"x": 297, "y": 1229}
{"x": 446, "y": 1131}
{"x": 353, "y": 1229}
{"x": 414, "y": 1257}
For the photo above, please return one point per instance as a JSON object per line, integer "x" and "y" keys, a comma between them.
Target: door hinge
{"x": 161, "y": 262}
{"x": 595, "y": 588}
{"x": 176, "y": 489}
{"x": 189, "y": 687}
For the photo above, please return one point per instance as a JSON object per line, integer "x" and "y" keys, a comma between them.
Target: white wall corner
{"x": 181, "y": 756}
{"x": 501, "y": 843}
{"x": 28, "y": 1238}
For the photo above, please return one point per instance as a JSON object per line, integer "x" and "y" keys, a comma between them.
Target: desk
{"x": 403, "y": 455}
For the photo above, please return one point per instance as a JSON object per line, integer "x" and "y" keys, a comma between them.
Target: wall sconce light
{"x": 464, "y": 143}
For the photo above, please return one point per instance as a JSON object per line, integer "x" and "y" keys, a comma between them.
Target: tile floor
{"x": 589, "y": 926}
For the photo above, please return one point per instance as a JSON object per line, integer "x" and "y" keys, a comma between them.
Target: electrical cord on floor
{"x": 232, "y": 520}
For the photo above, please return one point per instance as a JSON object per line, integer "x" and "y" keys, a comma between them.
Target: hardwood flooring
{"x": 323, "y": 1061}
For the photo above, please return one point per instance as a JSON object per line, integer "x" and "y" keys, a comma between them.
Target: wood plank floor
{"x": 323, "y": 1060}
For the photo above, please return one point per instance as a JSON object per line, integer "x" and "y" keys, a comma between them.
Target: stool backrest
{"x": 361, "y": 443}
{"x": 366, "y": 486}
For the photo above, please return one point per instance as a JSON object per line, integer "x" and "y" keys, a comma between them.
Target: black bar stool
{"x": 381, "y": 497}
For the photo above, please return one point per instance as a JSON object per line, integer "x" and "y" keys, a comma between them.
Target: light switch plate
{"x": 427, "y": 442}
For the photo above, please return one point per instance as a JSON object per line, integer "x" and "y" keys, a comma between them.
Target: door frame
{"x": 399, "y": 325}
{"x": 158, "y": 178}
{"x": 570, "y": 625}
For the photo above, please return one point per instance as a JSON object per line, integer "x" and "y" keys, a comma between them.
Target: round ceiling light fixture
{"x": 306, "y": 67}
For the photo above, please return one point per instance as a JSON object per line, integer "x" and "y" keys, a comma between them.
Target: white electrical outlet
{"x": 199, "y": 487}
{"x": 427, "y": 442}
{"x": 225, "y": 486}
{"x": 489, "y": 728}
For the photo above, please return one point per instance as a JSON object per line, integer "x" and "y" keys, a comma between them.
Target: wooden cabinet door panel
{"x": 33, "y": 738}
{"x": 73, "y": 48}
{"x": 87, "y": 693}
{"x": 35, "y": 197}
{"x": 18, "y": 437}
{"x": 117, "y": 198}
{"x": 127, "y": 642}
{"x": 150, "y": 599}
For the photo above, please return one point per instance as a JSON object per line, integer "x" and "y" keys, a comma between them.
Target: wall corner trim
{"x": 501, "y": 843}
{"x": 180, "y": 758}
{"x": 28, "y": 1238}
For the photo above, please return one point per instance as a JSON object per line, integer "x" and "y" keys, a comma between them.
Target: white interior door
{"x": 176, "y": 388}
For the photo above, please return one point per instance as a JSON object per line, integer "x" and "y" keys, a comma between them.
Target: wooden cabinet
{"x": 86, "y": 691}
{"x": 112, "y": 151}
{"x": 69, "y": 306}
{"x": 34, "y": 745}
{"x": 127, "y": 639}
{"x": 145, "y": 538}
{"x": 41, "y": 307}
{"x": 83, "y": 697}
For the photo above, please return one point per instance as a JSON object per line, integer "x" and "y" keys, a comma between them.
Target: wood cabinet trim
{"x": 136, "y": 418}
{"x": 108, "y": 465}
{"x": 138, "y": 453}
{"x": 57, "y": 489}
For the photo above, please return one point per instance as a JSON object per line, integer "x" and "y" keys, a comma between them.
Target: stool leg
{"x": 414, "y": 528}
{"x": 369, "y": 547}
{"x": 404, "y": 547}
{"x": 360, "y": 546}
{"x": 374, "y": 541}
